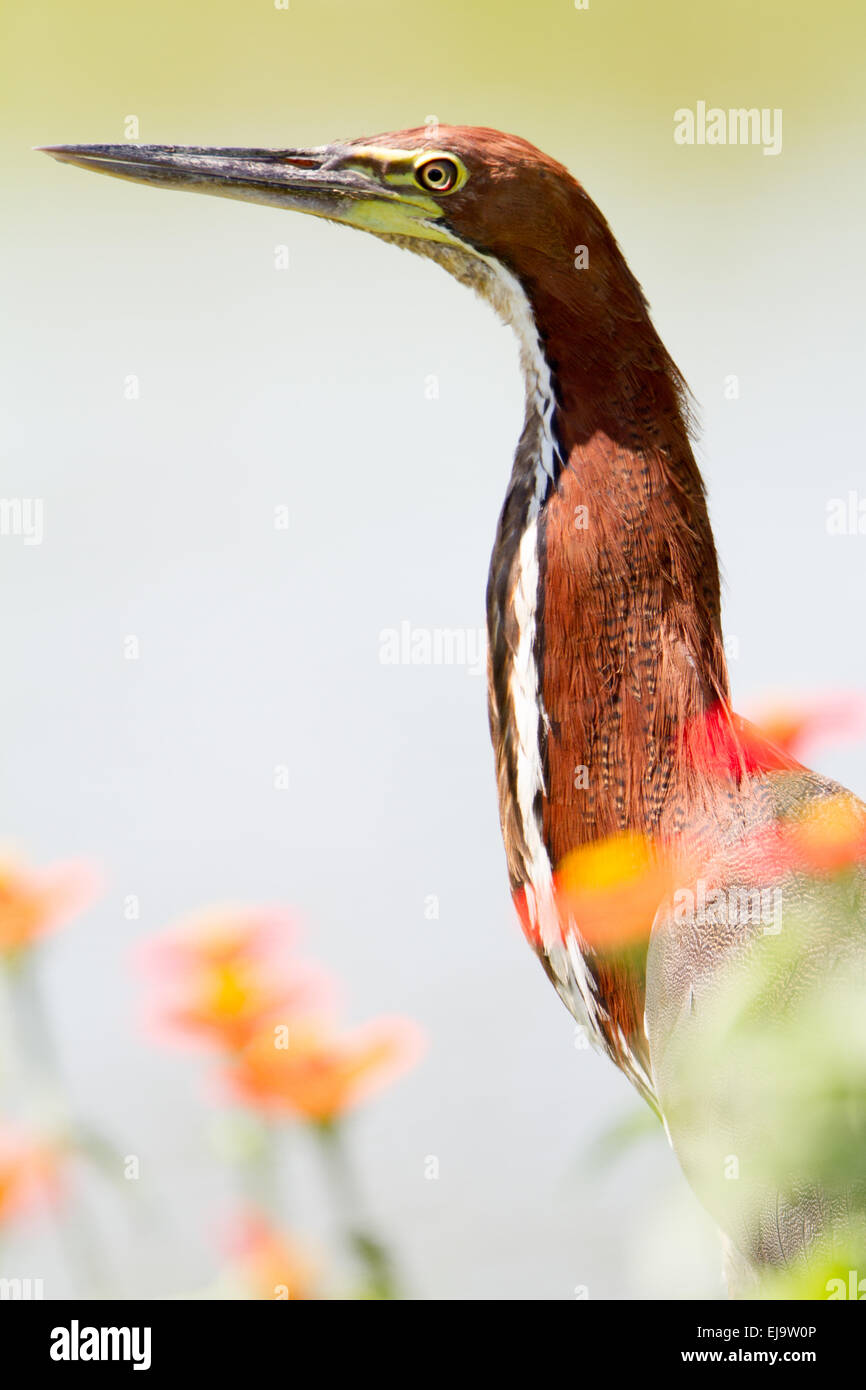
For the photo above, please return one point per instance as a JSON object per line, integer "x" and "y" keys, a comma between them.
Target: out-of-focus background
{"x": 192, "y": 692}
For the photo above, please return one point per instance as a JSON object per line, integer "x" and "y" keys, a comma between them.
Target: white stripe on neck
{"x": 508, "y": 298}
{"x": 503, "y": 291}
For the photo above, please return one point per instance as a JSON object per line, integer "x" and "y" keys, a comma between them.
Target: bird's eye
{"x": 438, "y": 175}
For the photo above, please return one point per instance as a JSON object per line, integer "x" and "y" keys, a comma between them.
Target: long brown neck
{"x": 605, "y": 640}
{"x": 630, "y": 643}
{"x": 603, "y": 600}
{"x": 623, "y": 621}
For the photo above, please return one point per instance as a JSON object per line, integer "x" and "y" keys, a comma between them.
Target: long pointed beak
{"x": 317, "y": 181}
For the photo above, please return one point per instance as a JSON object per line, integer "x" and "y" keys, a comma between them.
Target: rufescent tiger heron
{"x": 606, "y": 661}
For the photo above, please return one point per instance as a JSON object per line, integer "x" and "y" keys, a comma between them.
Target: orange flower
{"x": 309, "y": 1071}
{"x": 611, "y": 890}
{"x": 830, "y": 837}
{"x": 35, "y": 901}
{"x": 795, "y": 727}
{"x": 219, "y": 974}
{"x": 267, "y": 1264}
{"x": 29, "y": 1172}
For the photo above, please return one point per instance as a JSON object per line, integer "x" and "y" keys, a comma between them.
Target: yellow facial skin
{"x": 411, "y": 214}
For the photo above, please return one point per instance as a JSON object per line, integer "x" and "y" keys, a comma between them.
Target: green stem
{"x": 376, "y": 1262}
{"x": 31, "y": 1037}
{"x": 260, "y": 1171}
{"x": 39, "y": 1068}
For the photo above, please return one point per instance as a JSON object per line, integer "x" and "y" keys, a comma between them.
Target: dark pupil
{"x": 439, "y": 175}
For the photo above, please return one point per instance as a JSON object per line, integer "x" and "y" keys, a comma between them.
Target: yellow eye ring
{"x": 439, "y": 173}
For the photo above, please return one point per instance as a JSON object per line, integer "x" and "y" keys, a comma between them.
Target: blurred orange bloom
{"x": 794, "y": 727}
{"x": 35, "y": 901}
{"x": 830, "y": 838}
{"x": 826, "y": 839}
{"x": 218, "y": 975}
{"x": 30, "y": 1170}
{"x": 611, "y": 890}
{"x": 310, "y": 1071}
{"x": 268, "y": 1264}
